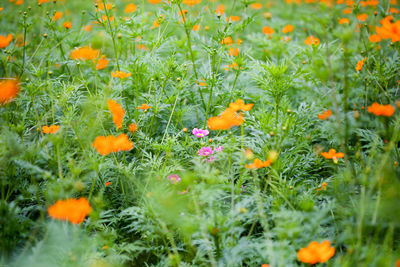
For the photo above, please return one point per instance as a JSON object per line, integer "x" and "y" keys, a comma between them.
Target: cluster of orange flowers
{"x": 230, "y": 117}
{"x": 73, "y": 210}
{"x": 316, "y": 252}
{"x": 381, "y": 110}
{"x": 9, "y": 89}
{"x": 107, "y": 144}
{"x": 389, "y": 30}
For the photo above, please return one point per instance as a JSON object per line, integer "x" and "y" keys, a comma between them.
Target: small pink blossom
{"x": 174, "y": 179}
{"x": 200, "y": 133}
{"x": 211, "y": 159}
{"x": 220, "y": 148}
{"x": 205, "y": 151}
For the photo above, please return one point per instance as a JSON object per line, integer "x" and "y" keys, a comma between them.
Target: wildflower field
{"x": 199, "y": 133}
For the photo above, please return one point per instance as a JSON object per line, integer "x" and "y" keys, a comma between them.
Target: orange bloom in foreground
{"x": 73, "y": 210}
{"x": 5, "y": 40}
{"x": 311, "y": 40}
{"x": 144, "y": 106}
{"x": 381, "y": 110}
{"x": 9, "y": 89}
{"x": 84, "y": 53}
{"x": 107, "y": 144}
{"x": 52, "y": 129}
{"x": 117, "y": 112}
{"x": 325, "y": 115}
{"x": 120, "y": 74}
{"x": 316, "y": 252}
{"x": 332, "y": 154}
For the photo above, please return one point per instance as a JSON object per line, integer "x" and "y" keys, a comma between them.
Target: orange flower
{"x": 332, "y": 154}
{"x": 360, "y": 64}
{"x": 257, "y": 164}
{"x": 102, "y": 63}
{"x": 154, "y": 1}
{"x": 381, "y": 110}
{"x": 229, "y": 117}
{"x": 107, "y": 184}
{"x": 144, "y": 106}
{"x": 67, "y": 25}
{"x": 323, "y": 186}
{"x": 316, "y": 252}
{"x": 117, "y": 112}
{"x": 268, "y": 30}
{"x": 73, "y": 210}
{"x": 288, "y": 28}
{"x": 107, "y": 144}
{"x": 120, "y": 74}
{"x": 325, "y": 115}
{"x": 256, "y": 6}
{"x": 132, "y": 127}
{"x": 101, "y": 6}
{"x": 57, "y": 15}
{"x": 191, "y": 2}
{"x": 239, "y": 105}
{"x": 227, "y": 41}
{"x": 9, "y": 89}
{"x": 344, "y": 21}
{"x": 232, "y": 18}
{"x": 375, "y": 38}
{"x": 52, "y": 129}
{"x": 196, "y": 28}
{"x": 130, "y": 8}
{"x": 362, "y": 17}
{"x": 5, "y": 40}
{"x": 233, "y": 52}
{"x": 311, "y": 40}
{"x": 389, "y": 30}
{"x": 85, "y": 53}
{"x": 220, "y": 10}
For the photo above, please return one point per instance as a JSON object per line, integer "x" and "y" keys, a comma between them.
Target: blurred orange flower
{"x": 325, "y": 115}
{"x": 316, "y": 252}
{"x": 130, "y": 8}
{"x": 52, "y": 129}
{"x": 73, "y": 210}
{"x": 102, "y": 63}
{"x": 67, "y": 25}
{"x": 9, "y": 89}
{"x": 288, "y": 28}
{"x": 257, "y": 164}
{"x": 120, "y": 74}
{"x": 268, "y": 30}
{"x": 332, "y": 154}
{"x": 144, "y": 106}
{"x": 311, "y": 40}
{"x": 360, "y": 64}
{"x": 117, "y": 112}
{"x": 84, "y": 53}
{"x": 107, "y": 144}
{"x": 5, "y": 40}
{"x": 132, "y": 127}
{"x": 381, "y": 110}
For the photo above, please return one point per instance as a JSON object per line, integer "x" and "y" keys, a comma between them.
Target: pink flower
{"x": 220, "y": 148}
{"x": 205, "y": 151}
{"x": 174, "y": 179}
{"x": 211, "y": 159}
{"x": 200, "y": 133}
